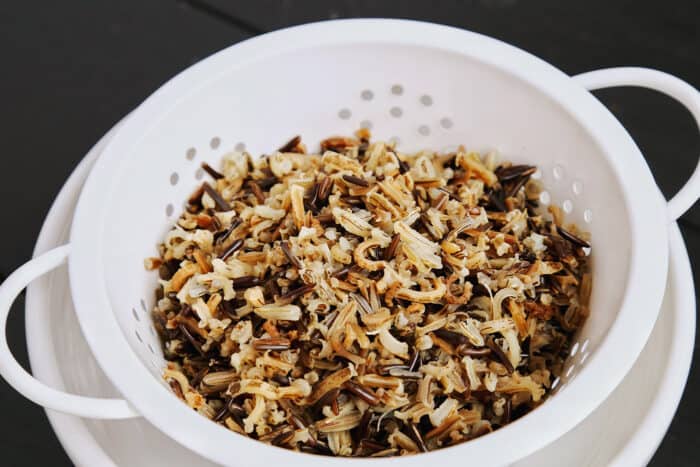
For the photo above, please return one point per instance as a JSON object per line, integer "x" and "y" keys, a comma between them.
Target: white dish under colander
{"x": 433, "y": 87}
{"x": 623, "y": 432}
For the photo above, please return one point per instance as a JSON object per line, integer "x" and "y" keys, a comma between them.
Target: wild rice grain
{"x": 216, "y": 175}
{"x": 221, "y": 204}
{"x": 235, "y": 246}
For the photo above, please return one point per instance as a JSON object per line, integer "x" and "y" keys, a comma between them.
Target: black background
{"x": 71, "y": 69}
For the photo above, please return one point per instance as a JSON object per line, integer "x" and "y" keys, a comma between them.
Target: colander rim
{"x": 592, "y": 385}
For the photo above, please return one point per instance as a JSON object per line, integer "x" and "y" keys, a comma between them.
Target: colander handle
{"x": 26, "y": 384}
{"x": 664, "y": 83}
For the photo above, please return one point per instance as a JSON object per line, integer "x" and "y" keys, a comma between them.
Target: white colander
{"x": 426, "y": 85}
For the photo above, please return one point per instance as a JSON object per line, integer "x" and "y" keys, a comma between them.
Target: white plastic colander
{"x": 426, "y": 85}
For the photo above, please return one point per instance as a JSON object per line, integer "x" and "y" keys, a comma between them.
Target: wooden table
{"x": 72, "y": 69}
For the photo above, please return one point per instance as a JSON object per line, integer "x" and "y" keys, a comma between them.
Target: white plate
{"x": 617, "y": 433}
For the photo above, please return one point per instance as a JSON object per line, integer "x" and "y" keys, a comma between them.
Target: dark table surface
{"x": 72, "y": 69}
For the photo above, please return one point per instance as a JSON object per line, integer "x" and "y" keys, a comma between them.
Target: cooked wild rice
{"x": 366, "y": 302}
